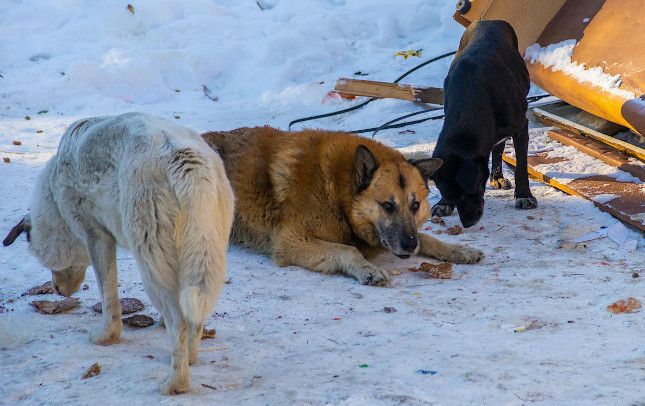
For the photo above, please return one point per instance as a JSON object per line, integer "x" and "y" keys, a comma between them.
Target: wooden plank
{"x": 599, "y": 151}
{"x": 383, "y": 90}
{"x": 355, "y": 87}
{"x": 552, "y": 119}
{"x": 629, "y": 207}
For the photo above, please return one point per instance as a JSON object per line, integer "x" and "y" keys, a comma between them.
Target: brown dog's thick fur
{"x": 326, "y": 200}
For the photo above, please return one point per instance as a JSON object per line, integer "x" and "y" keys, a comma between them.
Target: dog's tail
{"x": 202, "y": 228}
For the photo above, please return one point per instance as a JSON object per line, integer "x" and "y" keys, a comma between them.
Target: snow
{"x": 557, "y": 57}
{"x": 287, "y": 335}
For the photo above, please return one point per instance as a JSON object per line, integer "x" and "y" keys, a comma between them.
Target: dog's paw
{"x": 442, "y": 210}
{"x": 501, "y": 184}
{"x": 461, "y": 254}
{"x": 175, "y": 386}
{"x": 525, "y": 203}
{"x": 107, "y": 335}
{"x": 371, "y": 275}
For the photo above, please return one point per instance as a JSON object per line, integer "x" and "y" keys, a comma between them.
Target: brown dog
{"x": 326, "y": 200}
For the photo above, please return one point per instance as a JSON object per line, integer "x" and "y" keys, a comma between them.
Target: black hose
{"x": 400, "y": 125}
{"x": 387, "y": 125}
{"x": 383, "y": 126}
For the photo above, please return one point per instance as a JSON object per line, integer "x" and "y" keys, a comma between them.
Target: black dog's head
{"x": 463, "y": 181}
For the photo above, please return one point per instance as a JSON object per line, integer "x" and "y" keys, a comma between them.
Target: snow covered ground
{"x": 287, "y": 335}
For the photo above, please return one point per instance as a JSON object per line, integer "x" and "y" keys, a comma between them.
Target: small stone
{"x": 86, "y": 286}
{"x": 438, "y": 271}
{"x": 455, "y": 230}
{"x": 27, "y": 118}
{"x": 209, "y": 333}
{"x": 50, "y": 307}
{"x": 139, "y": 320}
{"x": 92, "y": 371}
{"x": 635, "y": 275}
{"x": 44, "y": 289}
{"x": 438, "y": 220}
{"x": 128, "y": 305}
{"x": 6, "y": 160}
{"x": 629, "y": 305}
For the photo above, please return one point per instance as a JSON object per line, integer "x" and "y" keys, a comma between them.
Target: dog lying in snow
{"x": 485, "y": 103}
{"x": 150, "y": 186}
{"x": 326, "y": 200}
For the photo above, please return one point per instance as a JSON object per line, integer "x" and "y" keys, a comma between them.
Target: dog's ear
{"x": 427, "y": 166}
{"x": 23, "y": 227}
{"x": 469, "y": 175}
{"x": 364, "y": 167}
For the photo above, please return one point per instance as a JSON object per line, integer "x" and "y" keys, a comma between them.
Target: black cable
{"x": 407, "y": 123}
{"x": 532, "y": 99}
{"x": 358, "y": 106}
{"x": 403, "y": 117}
{"x": 387, "y": 125}
{"x": 421, "y": 65}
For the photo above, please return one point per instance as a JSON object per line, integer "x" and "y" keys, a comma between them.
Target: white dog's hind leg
{"x": 102, "y": 250}
{"x": 179, "y": 379}
{"x": 195, "y": 332}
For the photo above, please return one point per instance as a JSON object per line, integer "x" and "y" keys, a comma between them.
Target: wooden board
{"x": 598, "y": 150}
{"x": 383, "y": 90}
{"x": 628, "y": 207}
{"x": 558, "y": 121}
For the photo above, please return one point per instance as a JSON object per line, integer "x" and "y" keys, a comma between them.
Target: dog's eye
{"x": 387, "y": 206}
{"x": 415, "y": 207}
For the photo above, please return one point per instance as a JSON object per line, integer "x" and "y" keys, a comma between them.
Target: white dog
{"x": 150, "y": 186}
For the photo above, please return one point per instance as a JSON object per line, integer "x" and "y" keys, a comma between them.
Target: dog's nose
{"x": 409, "y": 243}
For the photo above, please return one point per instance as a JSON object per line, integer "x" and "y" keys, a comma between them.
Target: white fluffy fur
{"x": 155, "y": 188}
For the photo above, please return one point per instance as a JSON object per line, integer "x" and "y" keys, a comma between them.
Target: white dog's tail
{"x": 202, "y": 228}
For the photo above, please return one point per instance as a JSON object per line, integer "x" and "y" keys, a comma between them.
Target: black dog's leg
{"x": 523, "y": 197}
{"x": 443, "y": 208}
{"x": 497, "y": 180}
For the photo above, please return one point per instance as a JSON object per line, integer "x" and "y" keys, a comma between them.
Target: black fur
{"x": 485, "y": 102}
{"x": 364, "y": 167}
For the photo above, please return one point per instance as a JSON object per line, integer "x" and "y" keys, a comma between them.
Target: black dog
{"x": 485, "y": 104}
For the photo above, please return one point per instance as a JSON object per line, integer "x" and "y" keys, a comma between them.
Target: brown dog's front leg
{"x": 457, "y": 253}
{"x": 329, "y": 257}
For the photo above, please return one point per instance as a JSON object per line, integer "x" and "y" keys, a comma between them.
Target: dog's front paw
{"x": 525, "y": 203}
{"x": 442, "y": 210}
{"x": 461, "y": 254}
{"x": 107, "y": 335}
{"x": 371, "y": 275}
{"x": 175, "y": 385}
{"x": 501, "y": 184}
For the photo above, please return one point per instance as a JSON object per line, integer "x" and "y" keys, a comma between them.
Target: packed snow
{"x": 288, "y": 335}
